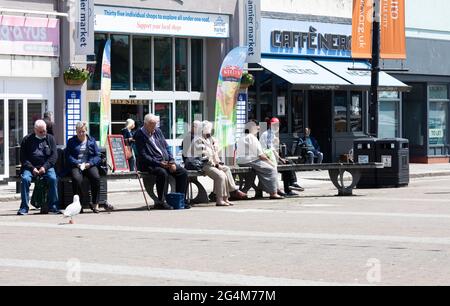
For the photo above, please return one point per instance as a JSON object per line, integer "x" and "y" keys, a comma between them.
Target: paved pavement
{"x": 377, "y": 237}
{"x": 8, "y": 192}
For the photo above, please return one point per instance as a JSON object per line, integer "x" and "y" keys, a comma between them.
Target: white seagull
{"x": 73, "y": 209}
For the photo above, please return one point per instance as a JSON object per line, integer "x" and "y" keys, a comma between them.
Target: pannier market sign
{"x": 306, "y": 38}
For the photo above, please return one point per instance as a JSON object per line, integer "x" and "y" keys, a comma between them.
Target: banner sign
{"x": 393, "y": 40}
{"x": 392, "y": 24}
{"x": 253, "y": 31}
{"x": 159, "y": 22}
{"x": 227, "y": 91}
{"x": 85, "y": 28}
{"x": 23, "y": 35}
{"x": 105, "y": 97}
{"x": 73, "y": 112}
{"x": 362, "y": 28}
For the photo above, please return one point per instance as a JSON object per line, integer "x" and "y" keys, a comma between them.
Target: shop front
{"x": 158, "y": 65}
{"x": 29, "y": 52}
{"x": 308, "y": 79}
{"x": 425, "y": 109}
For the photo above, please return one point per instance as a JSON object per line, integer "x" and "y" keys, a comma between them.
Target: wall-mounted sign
{"x": 73, "y": 112}
{"x": 85, "y": 28}
{"x": 305, "y": 38}
{"x": 253, "y": 31}
{"x": 23, "y": 35}
{"x": 241, "y": 114}
{"x": 159, "y": 22}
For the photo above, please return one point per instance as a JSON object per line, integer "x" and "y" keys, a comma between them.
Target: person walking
{"x": 48, "y": 119}
{"x": 128, "y": 137}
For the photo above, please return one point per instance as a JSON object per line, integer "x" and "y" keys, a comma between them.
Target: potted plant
{"x": 76, "y": 76}
{"x": 247, "y": 80}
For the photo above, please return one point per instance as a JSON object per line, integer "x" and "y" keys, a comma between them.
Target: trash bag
{"x": 40, "y": 193}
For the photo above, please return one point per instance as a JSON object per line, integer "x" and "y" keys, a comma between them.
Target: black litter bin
{"x": 394, "y": 154}
{"x": 364, "y": 153}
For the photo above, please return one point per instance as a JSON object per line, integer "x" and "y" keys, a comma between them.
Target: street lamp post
{"x": 375, "y": 71}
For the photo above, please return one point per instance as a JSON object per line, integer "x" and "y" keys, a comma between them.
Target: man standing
{"x": 154, "y": 156}
{"x": 48, "y": 119}
{"x": 38, "y": 157}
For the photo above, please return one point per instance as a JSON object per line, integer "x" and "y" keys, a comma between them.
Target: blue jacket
{"x": 148, "y": 155}
{"x": 73, "y": 150}
{"x": 314, "y": 142}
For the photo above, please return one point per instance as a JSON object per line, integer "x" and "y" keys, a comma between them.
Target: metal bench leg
{"x": 337, "y": 178}
{"x": 202, "y": 196}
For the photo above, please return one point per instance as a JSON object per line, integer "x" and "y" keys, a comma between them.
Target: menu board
{"x": 241, "y": 115}
{"x": 117, "y": 150}
{"x": 73, "y": 112}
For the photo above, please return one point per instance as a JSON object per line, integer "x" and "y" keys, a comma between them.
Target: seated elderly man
{"x": 155, "y": 157}
{"x": 38, "y": 157}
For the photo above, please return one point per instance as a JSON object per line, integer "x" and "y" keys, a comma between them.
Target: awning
{"x": 304, "y": 72}
{"x": 361, "y": 78}
{"x": 328, "y": 74}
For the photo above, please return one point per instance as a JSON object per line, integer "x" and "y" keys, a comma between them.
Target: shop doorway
{"x": 319, "y": 120}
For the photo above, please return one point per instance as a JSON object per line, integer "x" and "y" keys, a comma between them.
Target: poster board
{"x": 117, "y": 152}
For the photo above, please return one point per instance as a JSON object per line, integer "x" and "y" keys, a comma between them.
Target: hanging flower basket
{"x": 247, "y": 80}
{"x": 76, "y": 76}
{"x": 73, "y": 82}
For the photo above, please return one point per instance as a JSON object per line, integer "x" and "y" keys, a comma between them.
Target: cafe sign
{"x": 306, "y": 38}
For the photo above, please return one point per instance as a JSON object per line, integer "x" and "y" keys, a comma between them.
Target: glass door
{"x": 16, "y": 132}
{"x": 165, "y": 112}
{"x": 35, "y": 111}
{"x": 2, "y": 138}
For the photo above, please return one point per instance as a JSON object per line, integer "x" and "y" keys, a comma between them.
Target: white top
{"x": 249, "y": 149}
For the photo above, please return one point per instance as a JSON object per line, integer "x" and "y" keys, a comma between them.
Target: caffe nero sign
{"x": 306, "y": 38}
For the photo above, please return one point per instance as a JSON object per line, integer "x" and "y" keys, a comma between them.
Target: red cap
{"x": 274, "y": 120}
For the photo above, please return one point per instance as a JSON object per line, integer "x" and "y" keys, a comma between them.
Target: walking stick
{"x": 143, "y": 191}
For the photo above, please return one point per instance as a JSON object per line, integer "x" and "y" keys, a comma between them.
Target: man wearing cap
{"x": 270, "y": 141}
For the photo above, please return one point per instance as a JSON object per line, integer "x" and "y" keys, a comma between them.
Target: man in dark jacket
{"x": 38, "y": 157}
{"x": 313, "y": 148}
{"x": 155, "y": 157}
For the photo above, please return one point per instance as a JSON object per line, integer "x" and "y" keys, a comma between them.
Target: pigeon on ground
{"x": 73, "y": 209}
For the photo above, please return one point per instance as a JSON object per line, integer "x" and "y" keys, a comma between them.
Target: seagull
{"x": 73, "y": 209}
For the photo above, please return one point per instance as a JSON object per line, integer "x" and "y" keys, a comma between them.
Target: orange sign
{"x": 393, "y": 41}
{"x": 362, "y": 28}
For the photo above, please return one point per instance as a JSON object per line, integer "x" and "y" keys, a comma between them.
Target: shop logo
{"x": 232, "y": 73}
{"x": 312, "y": 40}
{"x": 220, "y": 26}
